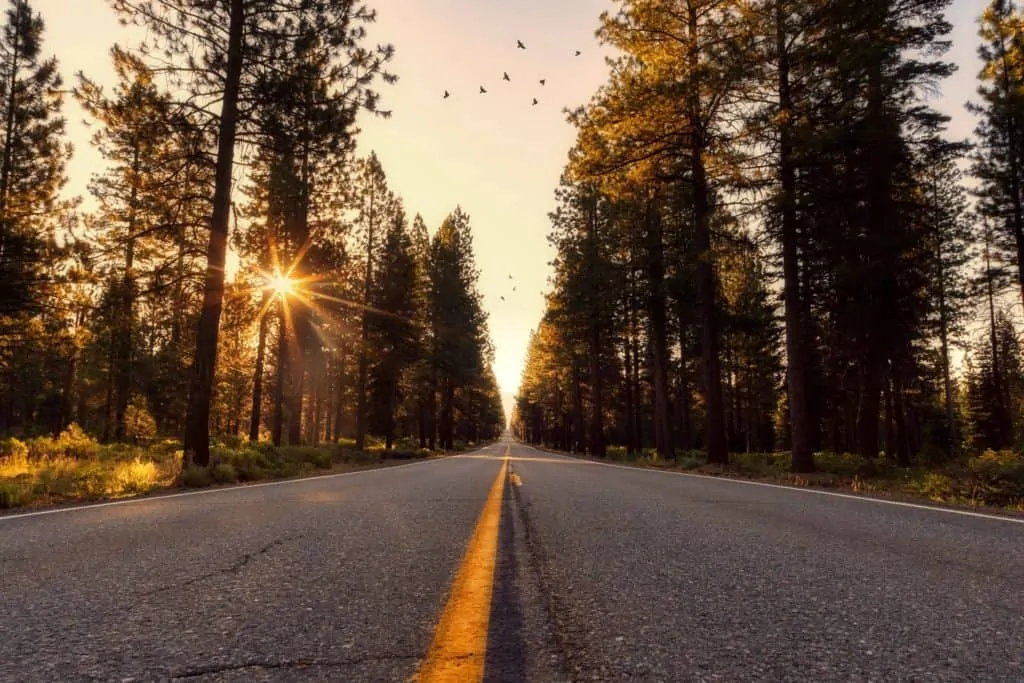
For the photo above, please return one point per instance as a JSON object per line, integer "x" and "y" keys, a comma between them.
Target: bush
{"x": 224, "y": 473}
{"x": 251, "y": 464}
{"x": 196, "y": 477}
{"x": 13, "y": 449}
{"x": 139, "y": 424}
{"x": 15, "y": 492}
{"x": 999, "y": 476}
{"x": 136, "y": 476}
{"x": 71, "y": 443}
{"x": 92, "y": 481}
{"x": 406, "y": 454}
{"x": 318, "y": 457}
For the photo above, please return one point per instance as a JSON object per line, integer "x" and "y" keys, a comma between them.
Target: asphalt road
{"x": 601, "y": 573}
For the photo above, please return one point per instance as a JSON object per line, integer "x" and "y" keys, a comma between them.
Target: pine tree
{"x": 137, "y": 138}
{"x": 999, "y": 159}
{"x": 376, "y": 207}
{"x": 456, "y": 318}
{"x": 391, "y": 322}
{"x": 32, "y": 167}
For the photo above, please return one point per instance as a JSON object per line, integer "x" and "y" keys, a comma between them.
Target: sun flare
{"x": 281, "y": 285}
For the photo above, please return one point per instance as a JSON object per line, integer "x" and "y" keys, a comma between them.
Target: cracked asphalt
{"x": 331, "y": 578}
{"x": 602, "y": 573}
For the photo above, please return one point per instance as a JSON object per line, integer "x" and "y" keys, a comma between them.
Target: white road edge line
{"x": 800, "y": 489}
{"x": 226, "y": 489}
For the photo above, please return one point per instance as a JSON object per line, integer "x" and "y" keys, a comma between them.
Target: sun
{"x": 281, "y": 285}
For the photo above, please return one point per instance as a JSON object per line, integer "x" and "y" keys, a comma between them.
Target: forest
{"x": 230, "y": 130}
{"x": 767, "y": 242}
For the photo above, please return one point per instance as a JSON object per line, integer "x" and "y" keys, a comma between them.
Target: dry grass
{"x": 74, "y": 467}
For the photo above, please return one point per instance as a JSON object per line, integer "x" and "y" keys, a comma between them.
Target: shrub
{"x": 135, "y": 476}
{"x": 999, "y": 476}
{"x": 934, "y": 486}
{"x": 318, "y": 457}
{"x": 138, "y": 422}
{"x": 71, "y": 443}
{"x": 406, "y": 454}
{"x": 13, "y": 449}
{"x": 223, "y": 473}
{"x": 14, "y": 492}
{"x": 92, "y": 480}
{"x": 196, "y": 477}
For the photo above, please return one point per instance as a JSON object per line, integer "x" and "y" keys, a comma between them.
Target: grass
{"x": 74, "y": 467}
{"x": 990, "y": 479}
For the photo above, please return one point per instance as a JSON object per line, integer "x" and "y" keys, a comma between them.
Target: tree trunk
{"x": 579, "y": 444}
{"x": 257, "y": 379}
{"x": 361, "y": 398}
{"x": 597, "y": 447}
{"x": 197, "y": 428}
{"x": 656, "y": 306}
{"x": 887, "y": 418}
{"x": 796, "y": 358}
{"x": 900, "y": 416}
{"x": 8, "y": 153}
{"x": 714, "y": 403}
{"x": 277, "y": 419}
{"x": 297, "y": 387}
{"x": 630, "y": 398}
{"x": 339, "y": 398}
{"x": 706, "y": 283}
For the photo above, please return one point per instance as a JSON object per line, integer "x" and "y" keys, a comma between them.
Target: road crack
{"x": 558, "y": 639}
{"x": 214, "y": 669}
{"x": 234, "y": 568}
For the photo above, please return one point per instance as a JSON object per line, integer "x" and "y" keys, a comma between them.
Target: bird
{"x": 543, "y": 81}
{"x": 502, "y": 298}
{"x": 520, "y": 45}
{"x": 483, "y": 90}
{"x": 510, "y": 277}
{"x": 535, "y": 101}
{"x": 513, "y": 289}
{"x": 505, "y": 77}
{"x": 446, "y": 95}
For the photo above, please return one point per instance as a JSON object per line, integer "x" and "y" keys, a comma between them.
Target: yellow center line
{"x": 459, "y": 648}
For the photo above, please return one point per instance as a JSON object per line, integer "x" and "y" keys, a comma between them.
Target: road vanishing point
{"x": 510, "y": 564}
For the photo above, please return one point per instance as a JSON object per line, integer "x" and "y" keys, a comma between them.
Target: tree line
{"x": 766, "y": 239}
{"x": 233, "y": 126}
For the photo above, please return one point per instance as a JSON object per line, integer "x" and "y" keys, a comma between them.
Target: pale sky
{"x": 495, "y": 154}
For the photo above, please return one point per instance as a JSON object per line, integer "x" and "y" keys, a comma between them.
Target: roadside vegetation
{"x": 990, "y": 479}
{"x": 75, "y": 467}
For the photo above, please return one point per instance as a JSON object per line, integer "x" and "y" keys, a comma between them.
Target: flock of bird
{"x": 506, "y": 77}
{"x": 513, "y": 288}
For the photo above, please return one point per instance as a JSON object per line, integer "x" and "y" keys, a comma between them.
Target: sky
{"x": 495, "y": 155}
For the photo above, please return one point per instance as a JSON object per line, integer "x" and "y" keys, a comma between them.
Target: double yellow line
{"x": 459, "y": 649}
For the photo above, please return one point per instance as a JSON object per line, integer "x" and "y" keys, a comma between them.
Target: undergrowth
{"x": 75, "y": 467}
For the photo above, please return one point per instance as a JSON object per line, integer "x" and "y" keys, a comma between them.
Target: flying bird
{"x": 505, "y": 77}
{"x": 543, "y": 81}
{"x": 520, "y": 45}
{"x": 483, "y": 91}
{"x": 502, "y": 298}
{"x": 578, "y": 53}
{"x": 446, "y": 95}
{"x": 535, "y": 101}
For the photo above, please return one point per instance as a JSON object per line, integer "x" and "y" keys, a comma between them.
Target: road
{"x": 539, "y": 567}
